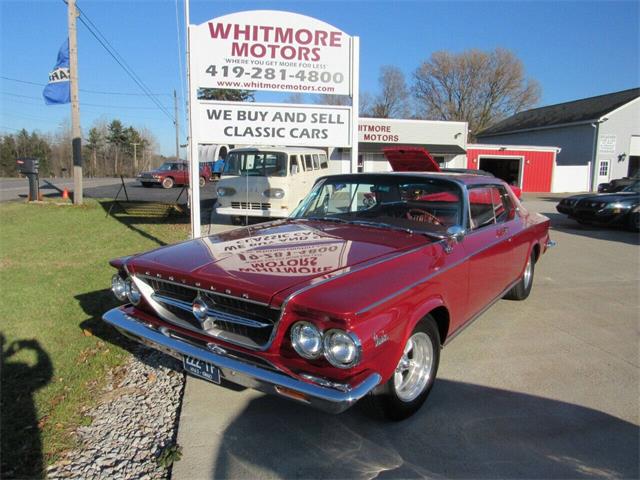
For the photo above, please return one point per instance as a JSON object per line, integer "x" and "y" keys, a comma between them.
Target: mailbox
{"x": 27, "y": 165}
{"x": 29, "y": 168}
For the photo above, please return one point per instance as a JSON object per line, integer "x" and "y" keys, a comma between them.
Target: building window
{"x": 440, "y": 160}
{"x": 604, "y": 168}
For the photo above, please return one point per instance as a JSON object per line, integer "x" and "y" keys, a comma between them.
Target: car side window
{"x": 308, "y": 163}
{"x": 503, "y": 207}
{"x": 481, "y": 207}
{"x": 294, "y": 167}
{"x": 323, "y": 161}
{"x": 316, "y": 162}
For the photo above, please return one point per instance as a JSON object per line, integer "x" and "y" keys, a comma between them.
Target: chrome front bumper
{"x": 332, "y": 400}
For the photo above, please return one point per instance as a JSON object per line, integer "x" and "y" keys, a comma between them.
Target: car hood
{"x": 260, "y": 261}
{"x": 410, "y": 159}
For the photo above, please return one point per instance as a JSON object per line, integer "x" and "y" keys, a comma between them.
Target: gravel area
{"x": 135, "y": 421}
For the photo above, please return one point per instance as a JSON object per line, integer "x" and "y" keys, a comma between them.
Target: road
{"x": 18, "y": 188}
{"x": 547, "y": 387}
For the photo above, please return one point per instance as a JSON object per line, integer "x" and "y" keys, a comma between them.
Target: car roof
{"x": 460, "y": 178}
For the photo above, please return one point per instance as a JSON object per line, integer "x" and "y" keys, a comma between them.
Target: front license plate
{"x": 201, "y": 369}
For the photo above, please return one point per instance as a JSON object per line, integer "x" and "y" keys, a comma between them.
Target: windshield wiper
{"x": 327, "y": 219}
{"x": 381, "y": 225}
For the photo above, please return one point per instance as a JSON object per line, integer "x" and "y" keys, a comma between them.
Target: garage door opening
{"x": 508, "y": 169}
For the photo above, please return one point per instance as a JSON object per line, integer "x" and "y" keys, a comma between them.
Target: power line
{"x": 84, "y": 104}
{"x": 119, "y": 59}
{"x": 101, "y": 92}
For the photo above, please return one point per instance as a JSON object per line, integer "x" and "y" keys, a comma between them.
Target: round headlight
{"x": 225, "y": 191}
{"x": 341, "y": 349}
{"x": 273, "y": 193}
{"x": 133, "y": 294}
{"x": 118, "y": 287}
{"x": 306, "y": 340}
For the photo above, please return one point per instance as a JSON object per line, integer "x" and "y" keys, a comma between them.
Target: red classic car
{"x": 352, "y": 296}
{"x": 171, "y": 174}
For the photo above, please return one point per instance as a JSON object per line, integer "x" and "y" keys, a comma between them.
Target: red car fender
{"x": 389, "y": 357}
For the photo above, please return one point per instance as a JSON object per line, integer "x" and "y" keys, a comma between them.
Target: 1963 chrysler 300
{"x": 352, "y": 296}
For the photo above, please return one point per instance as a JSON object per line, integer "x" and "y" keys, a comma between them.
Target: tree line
{"x": 109, "y": 149}
{"x": 474, "y": 86}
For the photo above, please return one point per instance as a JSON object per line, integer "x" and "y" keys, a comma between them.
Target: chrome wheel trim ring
{"x": 415, "y": 367}
{"x": 528, "y": 274}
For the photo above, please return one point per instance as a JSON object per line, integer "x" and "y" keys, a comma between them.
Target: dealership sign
{"x": 273, "y": 124}
{"x": 271, "y": 50}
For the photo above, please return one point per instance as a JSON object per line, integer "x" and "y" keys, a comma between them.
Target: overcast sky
{"x": 574, "y": 49}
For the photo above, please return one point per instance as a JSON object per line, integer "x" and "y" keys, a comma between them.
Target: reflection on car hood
{"x": 265, "y": 259}
{"x": 609, "y": 197}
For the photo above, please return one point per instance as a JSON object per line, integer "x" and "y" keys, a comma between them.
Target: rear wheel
{"x": 408, "y": 388}
{"x": 202, "y": 182}
{"x": 167, "y": 182}
{"x": 523, "y": 288}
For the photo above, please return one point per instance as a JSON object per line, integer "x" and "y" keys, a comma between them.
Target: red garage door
{"x": 531, "y": 170}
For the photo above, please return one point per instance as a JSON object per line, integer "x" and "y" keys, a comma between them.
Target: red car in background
{"x": 171, "y": 174}
{"x": 351, "y": 297}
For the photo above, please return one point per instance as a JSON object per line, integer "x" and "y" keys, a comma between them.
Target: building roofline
{"x": 524, "y": 148}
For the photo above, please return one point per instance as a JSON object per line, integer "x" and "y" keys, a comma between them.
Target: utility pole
{"x": 76, "y": 134}
{"x": 135, "y": 157}
{"x": 175, "y": 114}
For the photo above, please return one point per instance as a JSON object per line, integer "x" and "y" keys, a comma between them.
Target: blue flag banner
{"x": 58, "y": 89}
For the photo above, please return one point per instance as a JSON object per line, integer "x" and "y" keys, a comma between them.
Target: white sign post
{"x": 272, "y": 51}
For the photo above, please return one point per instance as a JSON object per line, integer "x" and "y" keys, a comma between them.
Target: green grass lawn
{"x": 54, "y": 280}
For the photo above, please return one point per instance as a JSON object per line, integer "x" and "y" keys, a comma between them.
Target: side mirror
{"x": 455, "y": 234}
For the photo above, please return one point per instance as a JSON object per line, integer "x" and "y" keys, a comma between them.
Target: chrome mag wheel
{"x": 528, "y": 274}
{"x": 415, "y": 367}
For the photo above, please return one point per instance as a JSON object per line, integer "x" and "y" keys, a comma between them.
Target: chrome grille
{"x": 251, "y": 205}
{"x": 232, "y": 319}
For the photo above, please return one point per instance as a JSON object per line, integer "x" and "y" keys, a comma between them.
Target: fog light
{"x": 118, "y": 287}
{"x": 341, "y": 349}
{"x": 132, "y": 292}
{"x": 306, "y": 340}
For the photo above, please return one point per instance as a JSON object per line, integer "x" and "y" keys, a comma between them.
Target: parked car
{"x": 352, "y": 296}
{"x": 267, "y": 182}
{"x": 617, "y": 184}
{"x": 171, "y": 174}
{"x": 621, "y": 208}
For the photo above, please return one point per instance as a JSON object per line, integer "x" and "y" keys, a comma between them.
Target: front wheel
{"x": 634, "y": 221}
{"x": 202, "y": 182}
{"x": 167, "y": 182}
{"x": 407, "y": 389}
{"x": 522, "y": 289}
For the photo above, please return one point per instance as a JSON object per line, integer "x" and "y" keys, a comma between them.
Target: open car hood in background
{"x": 410, "y": 159}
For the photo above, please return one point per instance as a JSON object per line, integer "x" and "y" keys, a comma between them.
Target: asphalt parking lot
{"x": 547, "y": 387}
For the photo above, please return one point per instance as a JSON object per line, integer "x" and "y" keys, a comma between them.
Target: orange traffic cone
{"x": 65, "y": 194}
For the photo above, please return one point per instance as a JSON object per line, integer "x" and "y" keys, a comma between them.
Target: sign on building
{"x": 607, "y": 144}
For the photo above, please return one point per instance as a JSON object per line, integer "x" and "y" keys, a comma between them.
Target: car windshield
{"x": 168, "y": 166}
{"x": 426, "y": 205}
{"x": 634, "y": 187}
{"x": 256, "y": 164}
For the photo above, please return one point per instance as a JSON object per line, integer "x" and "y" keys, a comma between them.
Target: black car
{"x": 618, "y": 184}
{"x": 620, "y": 208}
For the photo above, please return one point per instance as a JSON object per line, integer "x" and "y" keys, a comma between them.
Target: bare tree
{"x": 331, "y": 99}
{"x": 478, "y": 87}
{"x": 393, "y": 99}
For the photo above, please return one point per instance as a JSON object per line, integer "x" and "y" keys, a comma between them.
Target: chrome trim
{"x": 183, "y": 284}
{"x": 550, "y": 244}
{"x": 211, "y": 313}
{"x": 332, "y": 400}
